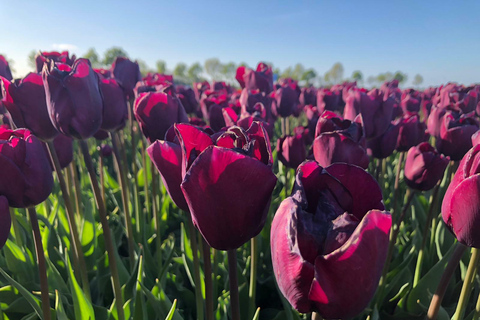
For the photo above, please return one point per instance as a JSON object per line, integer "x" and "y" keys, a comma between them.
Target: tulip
{"x": 26, "y": 173}
{"x": 424, "y": 167}
{"x": 410, "y": 103}
{"x": 328, "y": 100}
{"x": 5, "y": 221}
{"x": 127, "y": 74}
{"x": 105, "y": 150}
{"x": 291, "y": 150}
{"x": 115, "y": 110}
{"x": 329, "y": 240}
{"x": 286, "y": 100}
{"x": 376, "y": 113}
{"x": 64, "y": 148}
{"x": 74, "y": 101}
{"x": 412, "y": 132}
{"x": 352, "y": 104}
{"x": 227, "y": 186}
{"x": 25, "y": 101}
{"x": 187, "y": 98}
{"x": 308, "y": 96}
{"x": 383, "y": 146}
{"x": 434, "y": 120}
{"x": 5, "y": 69}
{"x": 461, "y": 204}
{"x": 156, "y": 112}
{"x": 456, "y": 134}
{"x": 45, "y": 57}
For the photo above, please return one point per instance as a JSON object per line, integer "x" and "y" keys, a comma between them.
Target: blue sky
{"x": 438, "y": 39}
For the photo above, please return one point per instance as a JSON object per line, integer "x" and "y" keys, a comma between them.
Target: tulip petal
{"x": 193, "y": 141}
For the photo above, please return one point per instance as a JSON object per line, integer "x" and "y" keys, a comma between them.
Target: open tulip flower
{"x": 26, "y": 174}
{"x": 329, "y": 240}
{"x": 461, "y": 204}
{"x": 227, "y": 183}
{"x": 45, "y": 57}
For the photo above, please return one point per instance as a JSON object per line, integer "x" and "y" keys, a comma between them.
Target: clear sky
{"x": 438, "y": 39}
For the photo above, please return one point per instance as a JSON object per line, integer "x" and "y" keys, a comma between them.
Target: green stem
{"x": 145, "y": 184}
{"x": 467, "y": 285}
{"x": 207, "y": 267}
{"x": 126, "y": 209}
{"x": 77, "y": 245}
{"x": 397, "y": 185}
{"x": 196, "y": 267}
{"x": 102, "y": 177}
{"x": 42, "y": 266}
{"x": 117, "y": 290}
{"x": 253, "y": 276}
{"x": 432, "y": 206}
{"x": 232, "y": 273}
{"x": 476, "y": 315}
{"x": 443, "y": 284}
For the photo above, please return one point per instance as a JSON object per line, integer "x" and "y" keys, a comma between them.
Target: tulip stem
{"x": 102, "y": 177}
{"x": 77, "y": 246}
{"x": 397, "y": 184}
{"x": 207, "y": 267}
{"x": 316, "y": 316}
{"x": 477, "y": 309}
{"x": 253, "y": 276}
{"x": 467, "y": 285}
{"x": 106, "y": 230}
{"x": 232, "y": 273}
{"x": 196, "y": 267}
{"x": 42, "y": 266}
{"x": 146, "y": 193}
{"x": 126, "y": 209}
{"x": 433, "y": 202}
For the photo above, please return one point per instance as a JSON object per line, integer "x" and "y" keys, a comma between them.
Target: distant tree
{"x": 180, "y": 71}
{"x": 308, "y": 75}
{"x": 112, "y": 53}
{"x": 357, "y": 76}
{"x": 92, "y": 55}
{"x": 31, "y": 59}
{"x": 144, "y": 68}
{"x": 417, "y": 80}
{"x": 228, "y": 71}
{"x": 335, "y": 74}
{"x": 244, "y": 64}
{"x": 400, "y": 76}
{"x": 161, "y": 66}
{"x": 298, "y": 71}
{"x": 287, "y": 73}
{"x": 213, "y": 67}
{"x": 193, "y": 72}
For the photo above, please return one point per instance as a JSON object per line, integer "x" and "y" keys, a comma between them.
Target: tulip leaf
{"x": 32, "y": 300}
{"x": 19, "y": 259}
{"x": 172, "y": 310}
{"x": 60, "y": 311}
{"x": 82, "y": 307}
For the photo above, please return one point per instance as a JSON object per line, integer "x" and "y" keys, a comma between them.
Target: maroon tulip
{"x": 26, "y": 175}
{"x": 261, "y": 79}
{"x": 456, "y": 134}
{"x": 308, "y": 96}
{"x": 286, "y": 100}
{"x": 115, "y": 110}
{"x": 376, "y": 113}
{"x": 5, "y": 221}
{"x": 156, "y": 112}
{"x": 291, "y": 150}
{"x": 383, "y": 146}
{"x": 410, "y": 103}
{"x": 127, "y": 74}
{"x": 322, "y": 235}
{"x": 434, "y": 121}
{"x": 187, "y": 98}
{"x": 461, "y": 204}
{"x": 74, "y": 101}
{"x": 412, "y": 132}
{"x": 227, "y": 186}
{"x": 46, "y": 57}
{"x": 328, "y": 100}
{"x": 25, "y": 101}
{"x": 5, "y": 69}
{"x": 424, "y": 167}
{"x": 353, "y": 100}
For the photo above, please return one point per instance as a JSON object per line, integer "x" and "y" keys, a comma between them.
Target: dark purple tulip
{"x": 25, "y": 170}
{"x": 115, "y": 110}
{"x": 312, "y": 114}
{"x": 228, "y": 186}
{"x": 25, "y": 101}
{"x": 352, "y": 104}
{"x": 383, "y": 146}
{"x": 286, "y": 100}
{"x": 322, "y": 235}
{"x": 5, "y": 221}
{"x": 46, "y": 57}
{"x": 291, "y": 150}
{"x": 461, "y": 204}
{"x": 410, "y": 104}
{"x": 105, "y": 150}
{"x": 187, "y": 97}
{"x": 104, "y": 73}
{"x": 5, "y": 69}
{"x": 127, "y": 74}
{"x": 434, "y": 121}
{"x": 412, "y": 132}
{"x": 308, "y": 96}
{"x": 424, "y": 167}
{"x": 456, "y": 134}
{"x": 74, "y": 101}
{"x": 249, "y": 99}
{"x": 261, "y": 79}
{"x": 156, "y": 112}
{"x": 328, "y": 100}
{"x": 376, "y": 113}
{"x": 64, "y": 148}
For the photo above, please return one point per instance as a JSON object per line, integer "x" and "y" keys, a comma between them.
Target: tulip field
{"x": 129, "y": 196}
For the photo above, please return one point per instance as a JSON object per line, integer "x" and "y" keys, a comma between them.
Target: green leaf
{"x": 172, "y": 310}
{"x": 82, "y": 307}
{"x": 32, "y": 300}
{"x": 139, "y": 308}
{"x": 61, "y": 315}
{"x": 20, "y": 260}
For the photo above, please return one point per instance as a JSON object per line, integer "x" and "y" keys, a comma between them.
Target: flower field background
{"x": 130, "y": 196}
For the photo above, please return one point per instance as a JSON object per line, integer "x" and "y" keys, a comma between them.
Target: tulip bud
{"x": 127, "y": 74}
{"x": 5, "y": 69}
{"x": 291, "y": 150}
{"x": 115, "y": 110}
{"x": 411, "y": 133}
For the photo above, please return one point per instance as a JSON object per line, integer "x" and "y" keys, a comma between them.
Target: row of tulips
{"x": 333, "y": 245}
